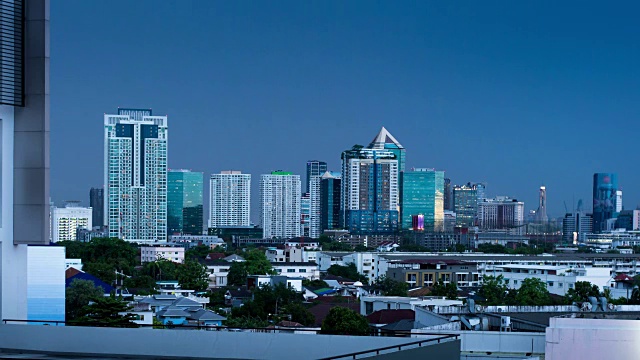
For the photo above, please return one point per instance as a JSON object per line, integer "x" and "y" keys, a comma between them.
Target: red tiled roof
{"x": 623, "y": 277}
{"x": 71, "y": 272}
{"x": 390, "y": 316}
{"x": 215, "y": 256}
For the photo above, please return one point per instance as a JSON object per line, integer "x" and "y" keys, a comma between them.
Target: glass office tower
{"x": 422, "y": 193}
{"x": 465, "y": 200}
{"x": 605, "y": 186}
{"x": 184, "y": 202}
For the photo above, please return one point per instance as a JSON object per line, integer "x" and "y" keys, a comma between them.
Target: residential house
{"x": 237, "y": 296}
{"x": 308, "y": 271}
{"x": 218, "y": 271}
{"x": 257, "y": 281}
{"x": 426, "y": 272}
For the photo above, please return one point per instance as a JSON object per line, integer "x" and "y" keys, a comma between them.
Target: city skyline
{"x": 444, "y": 86}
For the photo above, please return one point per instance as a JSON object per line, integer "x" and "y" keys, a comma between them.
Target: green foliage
{"x": 581, "y": 292}
{"x": 493, "y": 290}
{"x": 256, "y": 264}
{"x": 390, "y": 287}
{"x": 361, "y": 248}
{"x": 336, "y": 246}
{"x": 106, "y": 311}
{"x": 457, "y": 248}
{"x": 322, "y": 239}
{"x": 279, "y": 301}
{"x": 449, "y": 290}
{"x": 245, "y": 322}
{"x": 192, "y": 276}
{"x": 160, "y": 270}
{"x": 350, "y": 272}
{"x": 533, "y": 292}
{"x": 344, "y": 321}
{"x": 315, "y": 284}
{"x": 78, "y": 295}
{"x": 103, "y": 256}
{"x": 145, "y": 284}
{"x": 492, "y": 249}
{"x": 197, "y": 252}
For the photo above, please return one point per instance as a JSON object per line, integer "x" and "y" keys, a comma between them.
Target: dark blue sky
{"x": 514, "y": 93}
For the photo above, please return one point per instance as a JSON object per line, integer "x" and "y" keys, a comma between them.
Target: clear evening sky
{"x": 514, "y": 93}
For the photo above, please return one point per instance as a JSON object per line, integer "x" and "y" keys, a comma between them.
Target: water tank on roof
{"x": 603, "y": 303}
{"x": 594, "y": 303}
{"x": 505, "y": 321}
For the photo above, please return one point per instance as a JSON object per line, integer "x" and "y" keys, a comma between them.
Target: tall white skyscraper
{"x": 315, "y": 206}
{"x": 135, "y": 175}
{"x": 66, "y": 221}
{"x": 618, "y": 201}
{"x": 280, "y": 205}
{"x": 230, "y": 199}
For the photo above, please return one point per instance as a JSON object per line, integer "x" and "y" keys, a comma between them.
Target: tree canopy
{"x": 349, "y": 271}
{"x": 101, "y": 257}
{"x": 344, "y": 321}
{"x": 449, "y": 290}
{"x": 494, "y": 290}
{"x": 106, "y": 311}
{"x": 390, "y": 287}
{"x": 256, "y": 263}
{"x": 581, "y": 292}
{"x": 78, "y": 295}
{"x": 192, "y": 276}
{"x": 533, "y": 292}
{"x": 275, "y": 303}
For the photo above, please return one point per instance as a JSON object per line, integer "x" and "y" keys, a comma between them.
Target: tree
{"x": 144, "y": 283}
{"x": 533, "y": 292}
{"x": 257, "y": 263}
{"x": 336, "y": 246}
{"x": 493, "y": 290}
{"x": 390, "y": 287}
{"x": 492, "y": 249}
{"x": 78, "y": 295}
{"x": 449, "y": 290}
{"x": 107, "y": 311}
{"x": 161, "y": 269}
{"x": 275, "y": 303}
{"x": 193, "y": 276}
{"x": 299, "y": 313}
{"x": 103, "y": 256}
{"x": 360, "y": 248}
{"x": 344, "y": 321}
{"x": 581, "y": 292}
{"x": 197, "y": 252}
{"x": 237, "y": 274}
{"x": 457, "y": 248}
{"x": 245, "y": 322}
{"x": 314, "y": 283}
{"x": 349, "y": 271}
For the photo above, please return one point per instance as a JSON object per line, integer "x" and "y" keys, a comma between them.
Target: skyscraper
{"x": 315, "y": 206}
{"x": 385, "y": 141}
{"x": 465, "y": 204}
{"x": 575, "y": 226}
{"x": 230, "y": 199}
{"x": 448, "y": 195}
{"x": 541, "y": 213}
{"x": 422, "y": 193}
{"x": 280, "y": 205}
{"x": 370, "y": 194}
{"x": 501, "y": 213}
{"x": 605, "y": 186}
{"x": 619, "y": 201}
{"x": 184, "y": 202}
{"x": 135, "y": 175}
{"x": 96, "y": 202}
{"x": 314, "y": 168}
{"x": 66, "y": 221}
{"x": 330, "y": 187}
{"x": 305, "y": 215}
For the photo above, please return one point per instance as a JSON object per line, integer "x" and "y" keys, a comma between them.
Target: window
{"x": 291, "y": 270}
{"x": 302, "y": 270}
{"x": 570, "y": 286}
{"x": 515, "y": 282}
{"x": 550, "y": 283}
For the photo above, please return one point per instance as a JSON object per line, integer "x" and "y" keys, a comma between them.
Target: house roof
{"x": 186, "y": 302}
{"x": 403, "y": 325}
{"x": 388, "y": 316}
{"x": 301, "y": 239}
{"x": 324, "y": 291}
{"x": 286, "y": 323}
{"x": 205, "y": 315}
{"x": 240, "y": 292}
{"x": 172, "y": 311}
{"x": 86, "y": 276}
{"x": 71, "y": 272}
{"x": 215, "y": 256}
{"x": 421, "y": 291}
{"x": 623, "y": 277}
{"x": 339, "y": 279}
{"x": 234, "y": 257}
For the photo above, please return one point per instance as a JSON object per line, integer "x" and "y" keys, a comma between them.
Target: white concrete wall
{"x": 596, "y": 339}
{"x": 46, "y": 283}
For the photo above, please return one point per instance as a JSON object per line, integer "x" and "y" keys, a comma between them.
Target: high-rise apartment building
{"x": 135, "y": 175}
{"x": 184, "y": 202}
{"x": 501, "y": 213}
{"x": 448, "y": 194}
{"x": 315, "y": 206}
{"x": 305, "y": 215}
{"x": 370, "y": 194}
{"x": 330, "y": 187}
{"x": 314, "y": 168}
{"x": 605, "y": 187}
{"x": 619, "y": 201}
{"x": 96, "y": 203}
{"x": 465, "y": 202}
{"x": 66, "y": 221}
{"x": 575, "y": 227}
{"x": 230, "y": 199}
{"x": 280, "y": 205}
{"x": 422, "y": 193}
{"x": 629, "y": 220}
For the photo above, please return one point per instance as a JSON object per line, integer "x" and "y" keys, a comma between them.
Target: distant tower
{"x": 605, "y": 187}
{"x": 541, "y": 213}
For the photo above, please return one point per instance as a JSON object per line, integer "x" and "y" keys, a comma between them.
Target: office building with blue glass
{"x": 605, "y": 188}
{"x": 184, "y": 202}
{"x": 422, "y": 194}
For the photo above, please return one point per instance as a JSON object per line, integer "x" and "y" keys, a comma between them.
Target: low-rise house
{"x": 72, "y": 274}
{"x": 234, "y": 258}
{"x": 308, "y": 271}
{"x": 142, "y": 312}
{"x": 370, "y": 304}
{"x": 179, "y": 310}
{"x": 257, "y": 281}
{"x": 426, "y": 272}
{"x": 153, "y": 253}
{"x": 303, "y": 242}
{"x": 218, "y": 271}
{"x": 237, "y": 296}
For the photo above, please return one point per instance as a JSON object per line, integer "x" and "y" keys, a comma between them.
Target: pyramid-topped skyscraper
{"x": 385, "y": 141}
{"x": 370, "y": 186}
